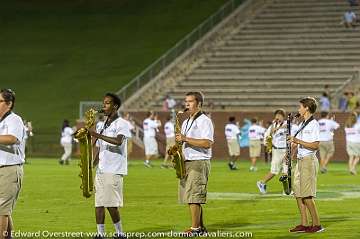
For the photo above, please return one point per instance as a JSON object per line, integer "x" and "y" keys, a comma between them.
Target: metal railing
{"x": 353, "y": 79}
{"x": 186, "y": 43}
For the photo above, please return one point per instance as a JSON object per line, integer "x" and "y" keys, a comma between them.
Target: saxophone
{"x": 176, "y": 151}
{"x": 86, "y": 154}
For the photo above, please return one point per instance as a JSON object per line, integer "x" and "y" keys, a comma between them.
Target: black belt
{"x": 4, "y": 166}
{"x": 274, "y": 147}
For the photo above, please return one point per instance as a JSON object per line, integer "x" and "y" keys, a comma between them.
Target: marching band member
{"x": 278, "y": 133}
{"x": 169, "y": 130}
{"x": 232, "y": 133}
{"x": 326, "y": 146}
{"x": 12, "y": 157}
{"x": 197, "y": 135}
{"x": 256, "y": 134}
{"x": 150, "y": 126}
{"x": 111, "y": 161}
{"x": 352, "y": 133}
{"x": 306, "y": 140}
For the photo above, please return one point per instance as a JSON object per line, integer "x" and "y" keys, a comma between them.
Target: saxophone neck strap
{"x": 5, "y": 115}
{"x": 303, "y": 125}
{"x": 197, "y": 115}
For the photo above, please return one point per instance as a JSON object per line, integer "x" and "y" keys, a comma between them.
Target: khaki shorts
{"x": 151, "y": 146}
{"x": 10, "y": 184}
{"x": 193, "y": 188}
{"x": 278, "y": 162}
{"x": 254, "y": 148}
{"x": 353, "y": 149}
{"x": 108, "y": 190}
{"x": 233, "y": 147}
{"x": 326, "y": 149}
{"x": 305, "y": 177}
{"x": 169, "y": 143}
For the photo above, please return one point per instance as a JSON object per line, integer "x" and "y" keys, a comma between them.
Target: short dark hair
{"x": 198, "y": 97}
{"x": 254, "y": 120}
{"x": 116, "y": 100}
{"x": 232, "y": 119}
{"x": 9, "y": 96}
{"x": 324, "y": 114}
{"x": 309, "y": 102}
{"x": 280, "y": 112}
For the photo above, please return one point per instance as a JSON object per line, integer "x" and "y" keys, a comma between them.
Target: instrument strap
{"x": 304, "y": 125}
{"x": 5, "y": 115}
{"x": 198, "y": 114}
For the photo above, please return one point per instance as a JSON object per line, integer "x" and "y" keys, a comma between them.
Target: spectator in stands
{"x": 169, "y": 103}
{"x": 325, "y": 102}
{"x": 353, "y": 3}
{"x": 343, "y": 102}
{"x": 352, "y": 102}
{"x": 350, "y": 19}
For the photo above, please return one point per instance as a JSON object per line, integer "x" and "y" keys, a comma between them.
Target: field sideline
{"x": 51, "y": 201}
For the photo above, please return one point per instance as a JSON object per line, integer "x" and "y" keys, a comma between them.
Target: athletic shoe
{"x": 61, "y": 162}
{"x": 164, "y": 166}
{"x": 299, "y": 228}
{"x": 148, "y": 165}
{"x": 323, "y": 170}
{"x": 253, "y": 169}
{"x": 261, "y": 186}
{"x": 232, "y": 166}
{"x": 313, "y": 229}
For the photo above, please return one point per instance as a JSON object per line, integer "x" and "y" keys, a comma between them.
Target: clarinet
{"x": 286, "y": 179}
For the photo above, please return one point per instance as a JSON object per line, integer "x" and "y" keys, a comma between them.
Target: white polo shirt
{"x": 67, "y": 135}
{"x": 352, "y": 134}
{"x": 308, "y": 134}
{"x": 201, "y": 128}
{"x": 231, "y": 131}
{"x": 13, "y": 154}
{"x": 279, "y": 136}
{"x": 169, "y": 129}
{"x": 113, "y": 158}
{"x": 327, "y": 127}
{"x": 150, "y": 127}
{"x": 256, "y": 132}
{"x": 131, "y": 127}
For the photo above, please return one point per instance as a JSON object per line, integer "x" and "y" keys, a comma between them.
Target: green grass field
{"x": 57, "y": 53}
{"x": 51, "y": 201}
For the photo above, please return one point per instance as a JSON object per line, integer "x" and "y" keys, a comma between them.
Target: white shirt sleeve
{"x": 123, "y": 129}
{"x": 207, "y": 131}
{"x": 16, "y": 129}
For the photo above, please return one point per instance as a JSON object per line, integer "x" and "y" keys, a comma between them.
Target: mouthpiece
{"x": 297, "y": 115}
{"x": 186, "y": 109}
{"x": 100, "y": 111}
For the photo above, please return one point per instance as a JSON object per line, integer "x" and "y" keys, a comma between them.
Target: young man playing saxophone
{"x": 197, "y": 136}
{"x": 112, "y": 165}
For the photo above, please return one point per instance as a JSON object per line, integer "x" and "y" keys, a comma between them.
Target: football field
{"x": 51, "y": 201}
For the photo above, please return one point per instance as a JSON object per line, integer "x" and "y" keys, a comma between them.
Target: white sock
{"x": 147, "y": 161}
{"x": 118, "y": 227}
{"x": 101, "y": 229}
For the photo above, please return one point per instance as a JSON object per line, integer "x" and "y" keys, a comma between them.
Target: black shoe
{"x": 61, "y": 162}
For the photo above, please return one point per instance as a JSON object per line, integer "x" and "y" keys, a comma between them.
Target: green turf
{"x": 57, "y": 53}
{"x": 51, "y": 201}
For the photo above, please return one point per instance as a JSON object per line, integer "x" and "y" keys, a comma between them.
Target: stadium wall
{"x": 221, "y": 118}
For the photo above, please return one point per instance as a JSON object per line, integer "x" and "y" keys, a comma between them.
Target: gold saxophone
{"x": 268, "y": 144}
{"x": 176, "y": 151}
{"x": 86, "y": 154}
